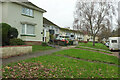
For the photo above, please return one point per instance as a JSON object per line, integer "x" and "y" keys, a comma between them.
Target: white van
{"x": 114, "y": 43}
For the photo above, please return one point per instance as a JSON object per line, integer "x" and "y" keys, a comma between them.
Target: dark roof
{"x": 48, "y": 22}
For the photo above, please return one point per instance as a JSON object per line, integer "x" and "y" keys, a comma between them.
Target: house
{"x": 88, "y": 37}
{"x": 26, "y": 17}
{"x": 50, "y": 29}
{"x": 0, "y": 12}
{"x": 66, "y": 31}
{"x": 78, "y": 35}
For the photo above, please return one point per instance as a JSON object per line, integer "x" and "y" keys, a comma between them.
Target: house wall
{"x": 62, "y": 32}
{"x": 90, "y": 38}
{"x": 12, "y": 14}
{"x": 46, "y": 34}
{"x": 79, "y": 35}
{"x": 86, "y": 37}
{"x": 55, "y": 28}
{"x": 0, "y": 12}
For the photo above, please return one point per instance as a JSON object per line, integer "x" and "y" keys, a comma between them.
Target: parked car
{"x": 62, "y": 40}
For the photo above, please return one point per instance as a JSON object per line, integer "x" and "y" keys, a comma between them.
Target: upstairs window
{"x": 27, "y": 11}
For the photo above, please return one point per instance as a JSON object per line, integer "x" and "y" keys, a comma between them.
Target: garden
{"x": 16, "y": 46}
{"x": 72, "y": 63}
{"x": 69, "y": 63}
{"x": 97, "y": 45}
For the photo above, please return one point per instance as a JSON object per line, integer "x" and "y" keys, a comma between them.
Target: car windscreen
{"x": 114, "y": 41}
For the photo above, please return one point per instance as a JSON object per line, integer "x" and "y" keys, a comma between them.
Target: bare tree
{"x": 93, "y": 16}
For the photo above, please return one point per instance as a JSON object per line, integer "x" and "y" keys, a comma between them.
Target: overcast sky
{"x": 59, "y": 12}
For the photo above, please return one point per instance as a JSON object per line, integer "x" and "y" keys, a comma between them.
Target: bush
{"x": 70, "y": 43}
{"x": 7, "y": 33}
{"x": 63, "y": 43}
{"x": 16, "y": 41}
{"x": 83, "y": 41}
{"x": 5, "y": 29}
{"x": 44, "y": 44}
{"x": 13, "y": 33}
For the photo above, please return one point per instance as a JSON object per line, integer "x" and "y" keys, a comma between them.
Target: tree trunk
{"x": 93, "y": 40}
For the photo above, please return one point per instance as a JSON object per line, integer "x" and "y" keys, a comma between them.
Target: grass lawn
{"x": 88, "y": 55}
{"x": 82, "y": 47}
{"x": 97, "y": 45}
{"x": 52, "y": 66}
{"x": 37, "y": 48}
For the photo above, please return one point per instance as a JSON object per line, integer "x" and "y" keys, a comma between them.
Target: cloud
{"x": 59, "y": 12}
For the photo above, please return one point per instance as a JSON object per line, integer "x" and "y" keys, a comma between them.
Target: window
{"x": 56, "y": 29}
{"x": 27, "y": 11}
{"x": 114, "y": 41}
{"x": 72, "y": 35}
{"x": 28, "y": 29}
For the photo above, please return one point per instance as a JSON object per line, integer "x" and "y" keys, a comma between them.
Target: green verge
{"x": 88, "y": 55}
{"x": 97, "y": 45}
{"x": 52, "y": 66}
{"x": 37, "y": 48}
{"x": 81, "y": 47}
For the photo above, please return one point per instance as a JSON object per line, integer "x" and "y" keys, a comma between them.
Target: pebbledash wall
{"x": 12, "y": 14}
{"x": 14, "y": 51}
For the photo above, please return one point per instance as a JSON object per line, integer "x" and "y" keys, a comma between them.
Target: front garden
{"x": 97, "y": 45}
{"x": 37, "y": 48}
{"x": 72, "y": 63}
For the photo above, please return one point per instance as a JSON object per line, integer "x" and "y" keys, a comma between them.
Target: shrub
{"x": 83, "y": 41}
{"x": 4, "y": 28}
{"x": 13, "y": 33}
{"x": 44, "y": 44}
{"x": 63, "y": 43}
{"x": 16, "y": 41}
{"x": 7, "y": 33}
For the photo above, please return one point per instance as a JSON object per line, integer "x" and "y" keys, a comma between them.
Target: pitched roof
{"x": 48, "y": 22}
{"x": 25, "y": 3}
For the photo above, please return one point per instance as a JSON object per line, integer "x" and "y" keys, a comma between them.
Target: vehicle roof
{"x": 110, "y": 38}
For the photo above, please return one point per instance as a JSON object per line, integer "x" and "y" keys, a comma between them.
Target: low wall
{"x": 15, "y": 50}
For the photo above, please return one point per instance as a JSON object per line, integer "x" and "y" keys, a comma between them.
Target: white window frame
{"x": 25, "y": 11}
{"x": 25, "y": 33}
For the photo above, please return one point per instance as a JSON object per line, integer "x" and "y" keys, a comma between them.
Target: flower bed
{"x": 9, "y": 51}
